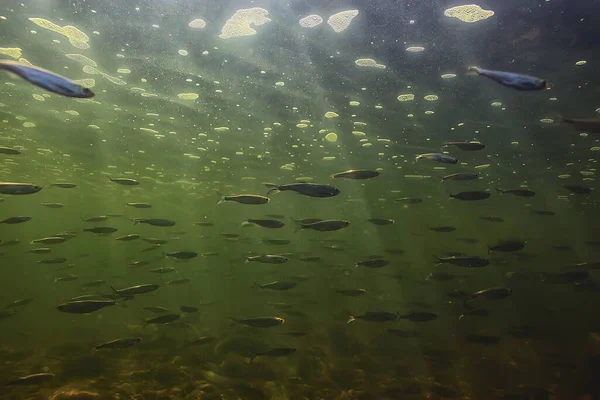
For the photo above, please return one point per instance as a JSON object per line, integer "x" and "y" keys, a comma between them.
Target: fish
{"x": 20, "y": 302}
{"x": 156, "y": 310}
{"x": 566, "y": 277}
{"x": 188, "y": 309}
{"x": 357, "y": 174}
{"x": 12, "y": 242}
{"x": 409, "y": 200}
{"x": 49, "y": 240}
{"x": 439, "y": 157}
{"x": 507, "y": 246}
{"x": 491, "y": 219}
{"x": 15, "y": 220}
{"x": 155, "y": 240}
{"x": 464, "y": 261}
{"x": 124, "y": 181}
{"x": 53, "y": 205}
{"x": 478, "y": 312}
{"x": 470, "y": 195}
{"x": 204, "y": 224}
{"x": 181, "y": 255}
{"x": 268, "y": 259}
{"x": 55, "y": 260}
{"x": 47, "y": 80}
{"x": 482, "y": 339}
{"x": 260, "y": 322}
{"x": 10, "y": 151}
{"x": 66, "y": 278}
{"x": 326, "y": 226}
{"x": 577, "y": 189}
{"x": 15, "y": 188}
{"x": 277, "y": 285}
{"x": 84, "y": 306}
{"x": 139, "y": 263}
{"x": 33, "y": 379}
{"x": 381, "y": 221}
{"x": 154, "y": 221}
{"x": 443, "y": 229}
{"x": 305, "y": 188}
{"x": 460, "y": 176}
{"x": 179, "y": 281}
{"x": 266, "y": 223}
{"x": 373, "y": 263}
{"x": 163, "y": 319}
{"x": 127, "y": 238}
{"x": 275, "y": 352}
{"x": 351, "y": 292}
{"x": 511, "y": 79}
{"x": 103, "y": 230}
{"x": 96, "y": 219}
{"x": 253, "y": 199}
{"x": 374, "y": 316}
{"x": 494, "y": 293}
{"x": 517, "y": 192}
{"x": 135, "y": 290}
{"x": 467, "y": 146}
{"x": 584, "y": 125}
{"x": 66, "y": 235}
{"x": 119, "y": 343}
{"x": 163, "y": 270}
{"x": 64, "y": 185}
{"x": 139, "y": 205}
{"x": 7, "y": 313}
{"x": 419, "y": 316}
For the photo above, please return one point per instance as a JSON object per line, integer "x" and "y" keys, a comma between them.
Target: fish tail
{"x": 501, "y": 191}
{"x": 351, "y": 318}
{"x": 114, "y": 290}
{"x": 222, "y": 198}
{"x": 273, "y": 188}
{"x": 472, "y": 70}
{"x": 299, "y": 228}
{"x": 418, "y": 157}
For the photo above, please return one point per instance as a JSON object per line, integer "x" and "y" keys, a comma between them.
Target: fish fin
{"x": 351, "y": 318}
{"x": 501, "y": 191}
{"x": 299, "y": 228}
{"x": 418, "y": 157}
{"x": 222, "y": 198}
{"x": 113, "y": 289}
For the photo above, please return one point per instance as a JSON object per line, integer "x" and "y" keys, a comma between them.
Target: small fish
{"x": 594, "y": 265}
{"x": 124, "y": 181}
{"x": 275, "y": 352}
{"x": 464, "y": 261}
{"x": 179, "y": 281}
{"x": 460, "y": 176}
{"x": 327, "y": 225}
{"x": 260, "y": 322}
{"x": 584, "y": 125}
{"x": 508, "y": 246}
{"x": 245, "y": 199}
{"x": 566, "y": 277}
{"x": 381, "y": 221}
{"x": 403, "y": 334}
{"x": 49, "y": 240}
{"x": 86, "y": 297}
{"x": 268, "y": 259}
{"x": 104, "y": 230}
{"x": 305, "y": 188}
{"x": 8, "y": 150}
{"x": 66, "y": 278}
{"x": 478, "y": 312}
{"x": 63, "y": 185}
{"x": 467, "y": 146}
{"x": 163, "y": 319}
{"x": 495, "y": 293}
{"x": 20, "y": 302}
{"x": 351, "y": 292}
{"x": 357, "y": 174}
{"x": 204, "y": 224}
{"x": 84, "y": 306}
{"x": 34, "y": 379}
{"x": 443, "y": 229}
{"x": 511, "y": 79}
{"x": 15, "y": 220}
{"x": 156, "y": 309}
{"x": 374, "y": 316}
{"x": 409, "y": 200}
{"x": 182, "y": 255}
{"x": 155, "y": 240}
{"x": 12, "y": 242}
{"x": 53, "y": 205}
{"x": 277, "y": 242}
{"x": 127, "y": 238}
{"x": 471, "y": 195}
{"x": 419, "y": 316}
{"x": 40, "y": 250}
{"x": 66, "y": 235}
{"x": 439, "y": 157}
{"x": 119, "y": 343}
{"x": 154, "y": 221}
{"x": 139, "y": 205}
{"x": 46, "y": 79}
{"x": 517, "y": 192}
{"x": 266, "y": 223}
{"x": 18, "y": 188}
{"x": 139, "y": 263}
{"x": 95, "y": 283}
{"x": 135, "y": 290}
{"x": 7, "y": 313}
{"x": 100, "y": 218}
{"x": 163, "y": 270}
{"x": 482, "y": 339}
{"x": 278, "y": 285}
{"x": 578, "y": 189}
{"x": 373, "y": 263}
{"x": 188, "y": 309}
{"x": 491, "y": 219}
{"x": 55, "y": 260}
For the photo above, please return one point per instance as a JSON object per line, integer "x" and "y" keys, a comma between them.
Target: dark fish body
{"x": 156, "y": 309}
{"x": 204, "y": 224}
{"x": 464, "y": 261}
{"x": 96, "y": 219}
{"x": 419, "y": 316}
{"x": 135, "y": 290}
{"x": 492, "y": 219}
{"x": 8, "y": 150}
{"x": 373, "y": 263}
{"x": 278, "y": 285}
{"x": 163, "y": 319}
{"x": 15, "y": 220}
{"x": 566, "y": 277}
{"x": 351, "y": 292}
{"x": 127, "y": 238}
{"x": 357, "y": 174}
{"x": 188, "y": 309}
{"x": 275, "y": 352}
{"x": 517, "y": 192}
{"x": 139, "y": 205}
{"x": 245, "y": 199}
{"x": 182, "y": 255}
{"x": 409, "y": 200}
{"x": 495, "y": 293}
{"x": 381, "y": 221}
{"x": 163, "y": 270}
{"x": 444, "y": 229}
{"x": 260, "y": 322}
{"x": 374, "y": 316}
{"x": 124, "y": 181}
{"x": 53, "y": 205}
{"x": 307, "y": 189}
{"x": 268, "y": 259}
{"x": 267, "y": 223}
{"x": 31, "y": 379}
{"x": 511, "y": 79}
{"x": 104, "y": 230}
{"x": 84, "y": 306}
{"x": 327, "y": 225}
{"x": 584, "y": 125}
{"x": 179, "y": 281}
{"x": 578, "y": 189}
{"x": 467, "y": 146}
{"x": 482, "y": 339}
{"x": 18, "y": 188}
{"x": 55, "y": 260}
{"x": 40, "y": 250}
{"x": 119, "y": 343}
{"x": 508, "y": 246}
{"x": 439, "y": 157}
{"x": 461, "y": 176}
{"x": 63, "y": 185}
{"x": 154, "y": 221}
{"x": 471, "y": 195}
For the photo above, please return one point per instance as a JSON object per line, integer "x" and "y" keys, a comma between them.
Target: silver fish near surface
{"x": 18, "y": 188}
{"x": 511, "y": 79}
{"x": 439, "y": 157}
{"x": 46, "y": 80}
